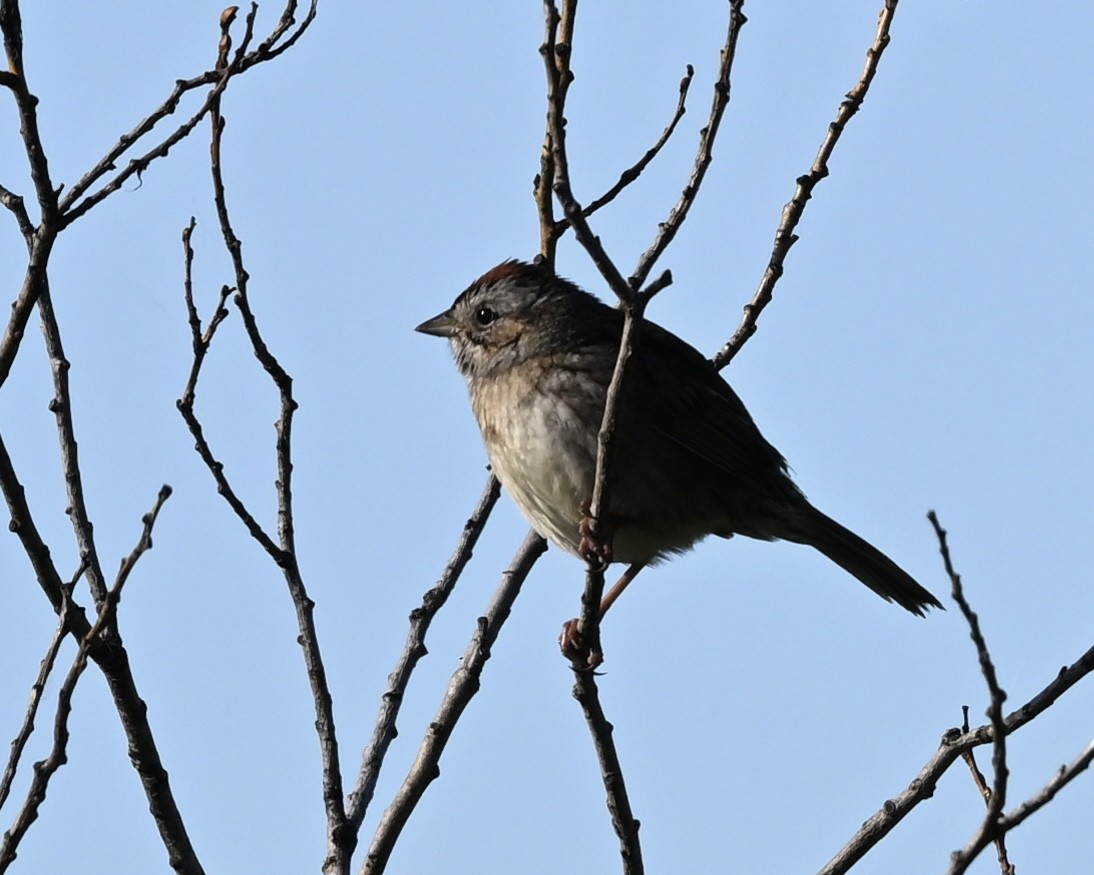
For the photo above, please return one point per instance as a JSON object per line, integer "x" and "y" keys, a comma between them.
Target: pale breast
{"x": 536, "y": 427}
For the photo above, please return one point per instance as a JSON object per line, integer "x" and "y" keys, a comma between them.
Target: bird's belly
{"x": 544, "y": 454}
{"x": 546, "y": 460}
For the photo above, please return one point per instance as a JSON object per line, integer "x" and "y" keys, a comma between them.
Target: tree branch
{"x": 997, "y": 797}
{"x": 61, "y": 406}
{"x": 1046, "y": 794}
{"x": 954, "y": 744}
{"x": 36, "y": 690}
{"x": 27, "y": 106}
{"x": 556, "y": 51}
{"x": 102, "y": 639}
{"x": 792, "y": 212}
{"x": 461, "y": 689}
{"x": 23, "y": 525}
{"x": 420, "y": 618}
{"x": 71, "y": 205}
{"x": 619, "y": 806}
{"x": 632, "y": 173}
{"x": 341, "y": 838}
{"x": 667, "y": 230}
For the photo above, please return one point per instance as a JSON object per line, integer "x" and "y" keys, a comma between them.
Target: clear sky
{"x": 929, "y": 347}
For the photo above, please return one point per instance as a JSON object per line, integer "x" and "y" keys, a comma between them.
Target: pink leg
{"x": 586, "y": 657}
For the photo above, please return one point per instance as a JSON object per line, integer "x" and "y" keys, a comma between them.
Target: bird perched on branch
{"x": 687, "y": 459}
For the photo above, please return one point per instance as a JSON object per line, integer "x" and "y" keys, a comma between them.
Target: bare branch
{"x": 34, "y": 280}
{"x": 142, "y": 749}
{"x": 113, "y": 660}
{"x": 632, "y": 173}
{"x": 792, "y": 212}
{"x": 340, "y": 838}
{"x": 997, "y": 796}
{"x": 22, "y": 524}
{"x": 1046, "y": 794}
{"x": 18, "y": 209}
{"x": 954, "y": 744}
{"x": 145, "y": 542}
{"x": 544, "y": 186}
{"x": 556, "y": 52}
{"x": 461, "y": 688}
{"x": 201, "y": 343}
{"x": 982, "y": 786}
{"x": 61, "y": 406}
{"x": 597, "y": 525}
{"x": 270, "y": 48}
{"x": 47, "y": 768}
{"x": 420, "y": 618}
{"x": 585, "y": 689}
{"x": 11, "y": 24}
{"x": 100, "y": 641}
{"x": 679, "y": 213}
{"x": 626, "y": 826}
{"x": 39, "y": 241}
{"x": 27, "y": 106}
{"x": 598, "y": 522}
{"x": 25, "y": 731}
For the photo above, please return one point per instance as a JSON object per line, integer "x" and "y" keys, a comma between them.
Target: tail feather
{"x": 862, "y": 560}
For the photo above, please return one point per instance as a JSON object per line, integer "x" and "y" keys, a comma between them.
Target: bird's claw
{"x": 593, "y": 546}
{"x": 583, "y": 656}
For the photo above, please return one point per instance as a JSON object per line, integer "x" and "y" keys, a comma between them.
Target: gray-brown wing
{"x": 685, "y": 401}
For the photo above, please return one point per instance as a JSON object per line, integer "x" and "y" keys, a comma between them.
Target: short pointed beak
{"x": 442, "y": 325}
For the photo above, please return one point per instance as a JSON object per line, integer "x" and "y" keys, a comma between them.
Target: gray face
{"x": 491, "y": 324}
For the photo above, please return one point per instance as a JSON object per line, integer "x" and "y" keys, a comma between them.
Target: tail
{"x": 860, "y": 559}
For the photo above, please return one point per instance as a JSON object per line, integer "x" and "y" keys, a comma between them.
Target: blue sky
{"x": 928, "y": 347}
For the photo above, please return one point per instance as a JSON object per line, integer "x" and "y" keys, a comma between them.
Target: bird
{"x": 688, "y": 460}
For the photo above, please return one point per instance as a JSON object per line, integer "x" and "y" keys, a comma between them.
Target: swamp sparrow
{"x": 688, "y": 461}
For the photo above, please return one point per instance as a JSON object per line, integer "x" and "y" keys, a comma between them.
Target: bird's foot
{"x": 583, "y": 655}
{"x": 595, "y": 545}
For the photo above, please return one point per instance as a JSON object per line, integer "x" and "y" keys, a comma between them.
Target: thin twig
{"x": 61, "y": 405}
{"x": 461, "y": 688}
{"x": 182, "y": 859}
{"x": 619, "y": 805}
{"x": 420, "y": 618}
{"x": 631, "y": 174}
{"x": 341, "y": 839}
{"x": 1046, "y": 794}
{"x": 110, "y": 655}
{"x": 997, "y": 797}
{"x": 44, "y": 770}
{"x": 200, "y": 344}
{"x": 73, "y": 207}
{"x": 23, "y": 525}
{"x": 268, "y": 50}
{"x": 792, "y": 212}
{"x": 39, "y": 240}
{"x": 34, "y": 280}
{"x": 144, "y": 544}
{"x": 557, "y": 54}
{"x": 599, "y": 521}
{"x": 722, "y": 85}
{"x": 18, "y": 209}
{"x": 113, "y": 661}
{"x": 585, "y": 689}
{"x": 556, "y": 51}
{"x": 27, "y": 106}
{"x": 984, "y": 789}
{"x": 954, "y": 744}
{"x": 544, "y": 185}
{"x": 27, "y": 729}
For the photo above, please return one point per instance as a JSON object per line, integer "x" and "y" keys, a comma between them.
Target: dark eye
{"x": 485, "y": 315}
